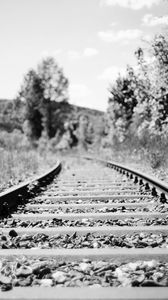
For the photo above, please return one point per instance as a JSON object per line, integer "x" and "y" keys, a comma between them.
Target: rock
{"x": 86, "y": 260}
{"x": 133, "y": 266}
{"x": 151, "y": 263}
{"x": 85, "y": 244}
{"x": 85, "y": 220}
{"x": 95, "y": 285}
{"x": 23, "y": 244}
{"x": 164, "y": 281}
{"x": 6, "y": 287}
{"x": 12, "y": 233}
{"x": 59, "y": 277}
{"x": 99, "y": 265}
{"x": 5, "y": 246}
{"x": 5, "y": 279}
{"x": 46, "y": 282}
{"x": 84, "y": 266}
{"x": 25, "y": 237}
{"x": 138, "y": 280}
{"x": 96, "y": 245}
{"x": 157, "y": 275}
{"x": 25, "y": 282}
{"x": 118, "y": 273}
{"x": 150, "y": 283}
{"x": 3, "y": 238}
{"x": 44, "y": 271}
{"x": 38, "y": 265}
{"x": 24, "y": 271}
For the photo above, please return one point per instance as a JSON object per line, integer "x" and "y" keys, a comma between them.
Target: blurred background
{"x": 83, "y": 76}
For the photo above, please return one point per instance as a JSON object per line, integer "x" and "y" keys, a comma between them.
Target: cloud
{"x": 150, "y": 20}
{"x": 90, "y": 52}
{"x": 111, "y": 73}
{"x": 121, "y": 35}
{"x": 57, "y": 52}
{"x": 73, "y": 55}
{"x": 113, "y": 24}
{"x": 132, "y": 4}
{"x": 87, "y": 52}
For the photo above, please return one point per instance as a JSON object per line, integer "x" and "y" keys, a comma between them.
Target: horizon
{"x": 92, "y": 40}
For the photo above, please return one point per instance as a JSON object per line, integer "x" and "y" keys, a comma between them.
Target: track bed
{"x": 92, "y": 231}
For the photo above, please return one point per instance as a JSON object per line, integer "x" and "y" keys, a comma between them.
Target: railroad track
{"x": 93, "y": 230}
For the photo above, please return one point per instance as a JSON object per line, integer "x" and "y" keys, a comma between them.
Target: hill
{"x": 12, "y": 116}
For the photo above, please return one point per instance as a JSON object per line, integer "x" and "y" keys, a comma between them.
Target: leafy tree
{"x": 40, "y": 88}
{"x": 138, "y": 102}
{"x": 31, "y": 93}
{"x": 159, "y": 49}
{"x": 122, "y": 101}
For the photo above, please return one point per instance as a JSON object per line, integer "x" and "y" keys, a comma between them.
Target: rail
{"x": 143, "y": 178}
{"x": 16, "y": 194}
{"x": 65, "y": 193}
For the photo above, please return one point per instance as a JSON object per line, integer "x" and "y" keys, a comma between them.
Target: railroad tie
{"x": 88, "y": 229}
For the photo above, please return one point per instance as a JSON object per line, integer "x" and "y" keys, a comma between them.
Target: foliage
{"x": 11, "y": 114}
{"x": 19, "y": 160}
{"x": 40, "y": 88}
{"x": 137, "y": 114}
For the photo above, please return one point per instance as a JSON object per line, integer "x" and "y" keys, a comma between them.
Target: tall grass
{"x": 19, "y": 160}
{"x": 16, "y": 166}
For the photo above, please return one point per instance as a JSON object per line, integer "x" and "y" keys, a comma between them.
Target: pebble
{"x": 24, "y": 271}
{"x": 46, "y": 282}
{"x": 91, "y": 201}
{"x": 59, "y": 277}
{"x": 84, "y": 266}
{"x": 151, "y": 263}
{"x": 5, "y": 279}
{"x": 89, "y": 240}
{"x": 36, "y": 267}
{"x": 13, "y": 233}
{"x": 6, "y": 287}
{"x": 59, "y": 210}
{"x": 25, "y": 282}
{"x": 84, "y": 222}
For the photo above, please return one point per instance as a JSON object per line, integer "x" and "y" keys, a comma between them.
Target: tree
{"x": 40, "y": 88}
{"x": 159, "y": 49}
{"x": 138, "y": 102}
{"x": 121, "y": 102}
{"x": 31, "y": 93}
{"x": 54, "y": 88}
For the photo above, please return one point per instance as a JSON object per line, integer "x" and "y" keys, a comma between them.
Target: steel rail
{"x": 148, "y": 179}
{"x": 14, "y": 195}
{"x": 116, "y": 254}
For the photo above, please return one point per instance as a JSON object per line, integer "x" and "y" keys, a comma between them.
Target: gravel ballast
{"x": 42, "y": 272}
{"x": 75, "y": 241}
{"x": 47, "y": 200}
{"x": 89, "y": 222}
{"x": 122, "y": 208}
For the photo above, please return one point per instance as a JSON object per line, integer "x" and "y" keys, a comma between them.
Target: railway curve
{"x": 91, "y": 230}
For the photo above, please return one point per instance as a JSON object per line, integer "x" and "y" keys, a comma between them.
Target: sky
{"x": 92, "y": 40}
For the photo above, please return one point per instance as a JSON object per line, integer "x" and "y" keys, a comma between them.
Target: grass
{"x": 141, "y": 160}
{"x": 17, "y": 166}
{"x": 19, "y": 161}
